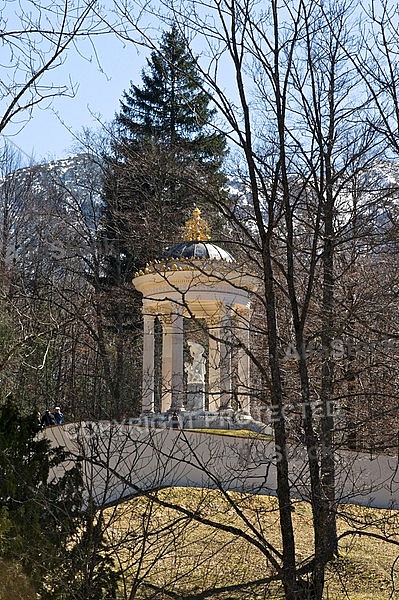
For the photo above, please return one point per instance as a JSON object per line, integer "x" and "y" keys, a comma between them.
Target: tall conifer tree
{"x": 167, "y": 157}
{"x": 171, "y": 108}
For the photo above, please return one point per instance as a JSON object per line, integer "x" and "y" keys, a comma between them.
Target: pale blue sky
{"x": 44, "y": 137}
{"x": 100, "y": 79}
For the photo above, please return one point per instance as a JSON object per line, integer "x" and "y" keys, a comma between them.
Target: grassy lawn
{"x": 243, "y": 433}
{"x": 162, "y": 551}
{"x": 165, "y": 551}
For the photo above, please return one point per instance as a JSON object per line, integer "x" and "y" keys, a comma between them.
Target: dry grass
{"x": 161, "y": 550}
{"x": 13, "y": 584}
{"x": 185, "y": 557}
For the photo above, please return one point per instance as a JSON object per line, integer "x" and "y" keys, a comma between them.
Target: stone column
{"x": 177, "y": 362}
{"x": 147, "y": 393}
{"x": 225, "y": 360}
{"x": 166, "y": 390}
{"x": 172, "y": 362}
{"x": 214, "y": 364}
{"x": 243, "y": 362}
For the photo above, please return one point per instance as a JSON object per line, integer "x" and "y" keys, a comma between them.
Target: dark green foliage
{"x": 167, "y": 158}
{"x": 42, "y": 523}
{"x": 40, "y": 513}
{"x": 171, "y": 108}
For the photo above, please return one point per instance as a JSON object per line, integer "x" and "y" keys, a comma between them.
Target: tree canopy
{"x": 171, "y": 108}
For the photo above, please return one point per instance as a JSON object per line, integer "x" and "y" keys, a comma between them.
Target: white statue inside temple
{"x": 196, "y": 369}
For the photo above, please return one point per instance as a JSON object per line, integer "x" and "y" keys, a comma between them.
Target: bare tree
{"x": 302, "y": 119}
{"x": 35, "y": 40}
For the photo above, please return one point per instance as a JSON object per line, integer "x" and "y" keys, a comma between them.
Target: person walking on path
{"x": 48, "y": 419}
{"x": 58, "y": 415}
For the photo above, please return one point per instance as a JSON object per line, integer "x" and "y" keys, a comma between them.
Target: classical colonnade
{"x": 227, "y": 366}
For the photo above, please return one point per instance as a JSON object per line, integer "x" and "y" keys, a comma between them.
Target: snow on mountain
{"x": 52, "y": 209}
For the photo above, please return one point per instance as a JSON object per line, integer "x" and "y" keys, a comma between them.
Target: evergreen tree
{"x": 171, "y": 108}
{"x": 33, "y": 508}
{"x": 167, "y": 158}
{"x": 42, "y": 525}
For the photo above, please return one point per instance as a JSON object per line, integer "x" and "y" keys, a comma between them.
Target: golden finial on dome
{"x": 196, "y": 228}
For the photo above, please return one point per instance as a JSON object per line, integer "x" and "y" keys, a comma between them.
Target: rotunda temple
{"x": 204, "y": 367}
